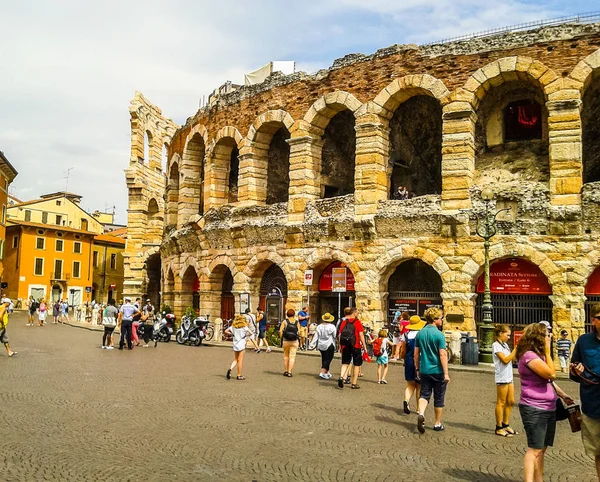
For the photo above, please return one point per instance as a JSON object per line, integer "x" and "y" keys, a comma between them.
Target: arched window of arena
{"x": 522, "y": 121}
{"x": 147, "y": 147}
{"x": 338, "y": 156}
{"x": 193, "y": 182}
{"x": 591, "y": 132}
{"x": 278, "y": 170}
{"x": 226, "y": 157}
{"x": 172, "y": 195}
{"x": 415, "y": 161}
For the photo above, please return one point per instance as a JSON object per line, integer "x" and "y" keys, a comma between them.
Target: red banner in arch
{"x": 325, "y": 279}
{"x": 516, "y": 276}
{"x": 196, "y": 286}
{"x": 593, "y": 284}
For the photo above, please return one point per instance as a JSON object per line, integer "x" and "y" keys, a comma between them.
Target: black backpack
{"x": 290, "y": 333}
{"x": 348, "y": 334}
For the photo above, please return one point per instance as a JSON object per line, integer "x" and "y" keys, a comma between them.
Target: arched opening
{"x": 520, "y": 294}
{"x": 592, "y": 294}
{"x": 336, "y": 290}
{"x": 511, "y": 139}
{"x": 56, "y": 293}
{"x": 273, "y": 294}
{"x": 415, "y": 162}
{"x": 164, "y": 157}
{"x": 338, "y": 156}
{"x": 153, "y": 231}
{"x": 173, "y": 195}
{"x": 226, "y": 169}
{"x": 227, "y": 298}
{"x": 147, "y": 147}
{"x": 168, "y": 290}
{"x": 414, "y": 286}
{"x": 153, "y": 270}
{"x": 190, "y": 290}
{"x": 193, "y": 177}
{"x": 278, "y": 170}
{"x": 591, "y": 132}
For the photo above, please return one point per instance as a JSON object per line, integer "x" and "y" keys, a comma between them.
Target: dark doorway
{"x": 278, "y": 170}
{"x": 338, "y": 155}
{"x": 153, "y": 271}
{"x": 227, "y": 298}
{"x": 273, "y": 286}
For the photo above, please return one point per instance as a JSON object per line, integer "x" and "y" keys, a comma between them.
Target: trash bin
{"x": 469, "y": 350}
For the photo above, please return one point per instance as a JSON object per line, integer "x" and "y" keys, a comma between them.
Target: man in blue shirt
{"x": 126, "y": 314}
{"x": 585, "y": 370}
{"x": 431, "y": 364}
{"x": 303, "y": 317}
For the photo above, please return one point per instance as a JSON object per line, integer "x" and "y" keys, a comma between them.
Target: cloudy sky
{"x": 70, "y": 67}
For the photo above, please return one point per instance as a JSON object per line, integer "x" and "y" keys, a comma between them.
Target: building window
{"x": 84, "y": 225}
{"x": 3, "y": 214}
{"x": 522, "y": 121}
{"x": 113, "y": 261}
{"x": 27, "y": 215}
{"x": 77, "y": 247}
{"x": 58, "y": 203}
{"x": 40, "y": 243}
{"x": 59, "y": 245}
{"x": 58, "y": 265}
{"x": 60, "y": 235}
{"x": 38, "y": 269}
{"x": 95, "y": 259}
{"x": 76, "y": 269}
{"x": 44, "y": 217}
{"x": 58, "y": 219}
{"x": 15, "y": 242}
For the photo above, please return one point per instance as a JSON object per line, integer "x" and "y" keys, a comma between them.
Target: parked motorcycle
{"x": 162, "y": 328}
{"x": 193, "y": 331}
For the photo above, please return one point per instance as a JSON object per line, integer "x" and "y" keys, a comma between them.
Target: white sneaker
{"x": 103, "y": 347}
{"x": 268, "y": 350}
{"x": 323, "y": 376}
{"x": 329, "y": 375}
{"x": 110, "y": 347}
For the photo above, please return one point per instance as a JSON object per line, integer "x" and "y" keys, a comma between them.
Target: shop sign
{"x": 411, "y": 306}
{"x": 516, "y": 337}
{"x": 338, "y": 280}
{"x": 593, "y": 285}
{"x": 516, "y": 276}
{"x": 308, "y": 277}
{"x": 424, "y": 305}
{"x": 325, "y": 281}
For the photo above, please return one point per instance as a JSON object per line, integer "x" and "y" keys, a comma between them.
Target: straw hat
{"x": 415, "y": 323}
{"x": 328, "y": 317}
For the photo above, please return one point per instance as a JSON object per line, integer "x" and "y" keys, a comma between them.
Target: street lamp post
{"x": 486, "y": 231}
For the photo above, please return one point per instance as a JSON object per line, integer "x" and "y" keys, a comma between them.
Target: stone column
{"x": 305, "y": 167}
{"x": 217, "y": 182}
{"x": 568, "y": 313}
{"x": 252, "y": 186}
{"x": 564, "y": 132}
{"x": 371, "y": 183}
{"x": 458, "y": 155}
{"x": 178, "y": 302}
{"x": 294, "y": 300}
{"x": 461, "y": 304}
{"x": 189, "y": 194}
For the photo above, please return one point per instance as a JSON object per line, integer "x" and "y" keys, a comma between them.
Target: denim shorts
{"x": 540, "y": 426}
{"x": 435, "y": 383}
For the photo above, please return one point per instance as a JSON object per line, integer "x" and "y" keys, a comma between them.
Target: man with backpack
{"x": 351, "y": 339}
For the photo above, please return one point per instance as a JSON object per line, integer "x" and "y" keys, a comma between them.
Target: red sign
{"x": 593, "y": 284}
{"x": 325, "y": 279}
{"x": 516, "y": 337}
{"x": 516, "y": 276}
{"x": 112, "y": 286}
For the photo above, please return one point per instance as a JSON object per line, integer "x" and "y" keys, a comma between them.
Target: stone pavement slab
{"x": 71, "y": 411}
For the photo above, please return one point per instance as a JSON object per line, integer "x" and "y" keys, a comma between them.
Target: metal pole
{"x": 339, "y": 305}
{"x": 486, "y": 330}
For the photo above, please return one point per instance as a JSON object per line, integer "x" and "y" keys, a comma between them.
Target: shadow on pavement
{"x": 467, "y": 426}
{"x": 474, "y": 476}
{"x": 397, "y": 410}
{"x": 412, "y": 425}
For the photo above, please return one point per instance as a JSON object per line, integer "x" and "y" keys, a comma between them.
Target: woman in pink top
{"x": 538, "y": 397}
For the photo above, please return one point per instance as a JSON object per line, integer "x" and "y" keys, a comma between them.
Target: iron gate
{"x": 517, "y": 311}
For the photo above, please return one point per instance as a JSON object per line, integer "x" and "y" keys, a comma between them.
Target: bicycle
{"x": 224, "y": 335}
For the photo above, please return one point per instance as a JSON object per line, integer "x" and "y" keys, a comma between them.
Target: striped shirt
{"x": 563, "y": 345}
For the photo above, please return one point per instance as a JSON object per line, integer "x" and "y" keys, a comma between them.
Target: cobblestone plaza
{"x": 73, "y": 412}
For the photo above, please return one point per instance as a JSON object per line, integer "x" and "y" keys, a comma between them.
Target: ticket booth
{"x": 336, "y": 289}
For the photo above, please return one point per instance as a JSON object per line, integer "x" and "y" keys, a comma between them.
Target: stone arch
{"x": 154, "y": 222}
{"x": 327, "y": 106}
{"x": 148, "y": 146}
{"x": 172, "y": 192}
{"x": 583, "y": 72}
{"x": 225, "y": 261}
{"x": 402, "y": 89}
{"x": 192, "y": 172}
{"x": 473, "y": 267}
{"x": 259, "y": 263}
{"x": 323, "y": 257}
{"x": 190, "y": 287}
{"x": 586, "y": 77}
{"x": 268, "y": 173}
{"x": 504, "y": 70}
{"x": 168, "y": 288}
{"x": 584, "y": 269}
{"x": 224, "y": 166}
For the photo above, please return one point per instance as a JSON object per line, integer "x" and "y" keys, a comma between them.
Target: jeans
{"x": 326, "y": 357}
{"x": 126, "y": 326}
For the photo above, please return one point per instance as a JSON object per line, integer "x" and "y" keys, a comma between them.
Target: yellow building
{"x": 107, "y": 264}
{"x": 45, "y": 260}
{"x": 7, "y": 175}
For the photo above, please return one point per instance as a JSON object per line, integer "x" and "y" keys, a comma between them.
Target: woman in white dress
{"x": 240, "y": 332}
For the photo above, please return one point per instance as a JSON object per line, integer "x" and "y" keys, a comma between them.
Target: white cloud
{"x": 71, "y": 67}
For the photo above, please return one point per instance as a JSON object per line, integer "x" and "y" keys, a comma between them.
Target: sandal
{"x": 503, "y": 432}
{"x": 510, "y": 430}
{"x": 228, "y": 376}
{"x": 354, "y": 387}
{"x": 240, "y": 378}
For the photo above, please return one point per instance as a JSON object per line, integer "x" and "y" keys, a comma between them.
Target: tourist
{"x": 136, "y": 321}
{"x": 303, "y": 319}
{"x": 109, "y": 321}
{"x": 288, "y": 332}
{"x": 55, "y": 312}
{"x": 503, "y": 375}
{"x": 253, "y": 327}
{"x": 31, "y": 310}
{"x": 400, "y": 328}
{"x": 147, "y": 315}
{"x": 4, "y": 304}
{"x": 563, "y": 347}
{"x": 64, "y": 310}
{"x": 407, "y": 352}
{"x": 42, "y": 311}
{"x": 126, "y": 314}
{"x": 261, "y": 319}
{"x": 352, "y": 340}
{"x": 380, "y": 351}
{"x": 431, "y": 366}
{"x": 324, "y": 336}
{"x": 585, "y": 370}
{"x": 239, "y": 331}
{"x": 537, "y": 403}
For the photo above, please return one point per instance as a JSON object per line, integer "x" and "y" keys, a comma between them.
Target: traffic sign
{"x": 308, "y": 277}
